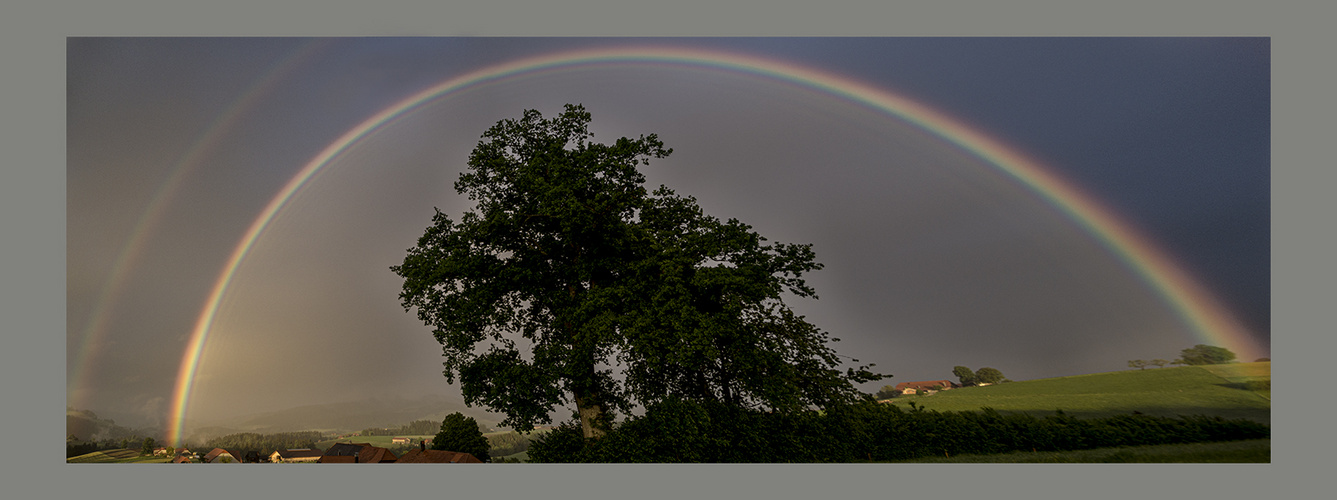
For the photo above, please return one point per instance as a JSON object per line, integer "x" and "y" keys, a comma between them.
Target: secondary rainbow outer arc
{"x": 1210, "y": 323}
{"x": 156, "y": 208}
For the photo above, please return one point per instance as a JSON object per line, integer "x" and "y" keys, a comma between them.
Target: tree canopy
{"x": 1206, "y": 355}
{"x": 461, "y": 434}
{"x": 988, "y": 375}
{"x": 569, "y": 282}
{"x": 964, "y": 374}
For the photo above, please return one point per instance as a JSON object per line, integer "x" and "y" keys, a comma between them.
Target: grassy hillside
{"x": 1239, "y": 390}
{"x": 119, "y": 456}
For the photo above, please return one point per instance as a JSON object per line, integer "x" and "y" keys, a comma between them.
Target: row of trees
{"x": 1197, "y": 355}
{"x": 691, "y": 432}
{"x": 414, "y": 428}
{"x": 982, "y": 376}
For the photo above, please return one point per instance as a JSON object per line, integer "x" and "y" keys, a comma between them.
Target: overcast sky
{"x": 933, "y": 258}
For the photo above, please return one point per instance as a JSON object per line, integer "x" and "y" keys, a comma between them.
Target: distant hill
{"x": 1236, "y": 390}
{"x": 348, "y": 416}
{"x": 87, "y": 426}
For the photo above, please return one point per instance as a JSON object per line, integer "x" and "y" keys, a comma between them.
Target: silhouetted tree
{"x": 566, "y": 248}
{"x": 460, "y": 433}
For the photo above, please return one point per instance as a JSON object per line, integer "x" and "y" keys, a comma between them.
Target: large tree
{"x": 1206, "y": 355}
{"x": 461, "y": 434}
{"x": 570, "y": 283}
{"x": 988, "y": 375}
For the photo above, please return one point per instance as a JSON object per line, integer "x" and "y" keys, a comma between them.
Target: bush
{"x": 684, "y": 431}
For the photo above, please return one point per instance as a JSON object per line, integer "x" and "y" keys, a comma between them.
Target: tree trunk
{"x": 591, "y": 416}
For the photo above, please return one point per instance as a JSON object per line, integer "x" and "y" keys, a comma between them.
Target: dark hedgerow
{"x": 683, "y": 431}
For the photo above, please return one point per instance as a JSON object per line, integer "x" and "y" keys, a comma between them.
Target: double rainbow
{"x": 1207, "y": 319}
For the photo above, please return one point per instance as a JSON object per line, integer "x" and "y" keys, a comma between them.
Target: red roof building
{"x": 929, "y": 385}
{"x": 356, "y": 453}
{"x": 420, "y": 456}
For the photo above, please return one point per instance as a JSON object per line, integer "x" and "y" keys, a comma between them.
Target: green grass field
{"x": 118, "y": 456}
{"x": 1221, "y": 390}
{"x": 1249, "y": 451}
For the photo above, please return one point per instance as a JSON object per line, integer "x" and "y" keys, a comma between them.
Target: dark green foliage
{"x": 509, "y": 443}
{"x": 418, "y": 428}
{"x": 988, "y": 375}
{"x": 414, "y": 428}
{"x": 147, "y": 448}
{"x": 685, "y": 431}
{"x": 965, "y": 375}
{"x": 566, "y": 248}
{"x": 460, "y": 434}
{"x": 887, "y": 392}
{"x": 76, "y": 448}
{"x": 1206, "y": 355}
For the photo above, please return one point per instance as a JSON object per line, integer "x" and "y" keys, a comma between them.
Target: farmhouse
{"x": 401, "y": 440}
{"x": 926, "y": 387}
{"x": 295, "y": 455}
{"x": 422, "y": 456}
{"x": 218, "y": 455}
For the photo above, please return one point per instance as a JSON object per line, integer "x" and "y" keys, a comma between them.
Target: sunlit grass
{"x": 1240, "y": 390}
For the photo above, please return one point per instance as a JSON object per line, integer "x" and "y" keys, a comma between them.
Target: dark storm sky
{"x": 932, "y": 258}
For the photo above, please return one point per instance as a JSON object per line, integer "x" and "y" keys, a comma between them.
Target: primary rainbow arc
{"x": 1209, "y": 322}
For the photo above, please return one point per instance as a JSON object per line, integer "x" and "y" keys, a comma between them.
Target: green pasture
{"x": 117, "y": 456}
{"x": 1219, "y": 390}
{"x": 1249, "y": 451}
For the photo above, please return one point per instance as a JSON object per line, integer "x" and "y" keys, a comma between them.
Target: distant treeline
{"x": 264, "y": 443}
{"x": 414, "y": 428}
{"x": 75, "y": 447}
{"x": 681, "y": 431}
{"x": 509, "y": 443}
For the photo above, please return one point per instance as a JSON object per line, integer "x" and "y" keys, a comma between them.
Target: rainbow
{"x": 1207, "y": 319}
{"x": 95, "y": 327}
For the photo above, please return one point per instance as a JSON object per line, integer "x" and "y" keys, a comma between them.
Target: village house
{"x": 925, "y": 387}
{"x": 219, "y": 455}
{"x": 422, "y": 455}
{"x": 295, "y": 455}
